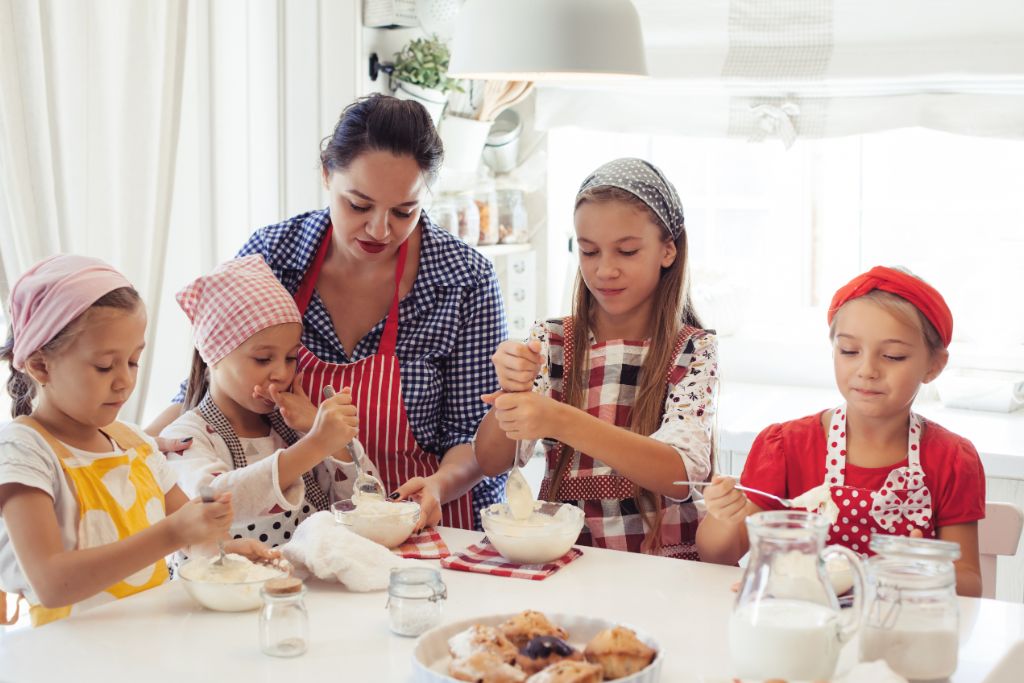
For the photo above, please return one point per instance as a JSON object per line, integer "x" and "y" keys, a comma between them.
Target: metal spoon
{"x": 786, "y": 502}
{"x": 517, "y": 489}
{"x": 208, "y": 496}
{"x": 366, "y": 484}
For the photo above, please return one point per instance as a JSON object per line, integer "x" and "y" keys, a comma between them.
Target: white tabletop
{"x": 161, "y": 635}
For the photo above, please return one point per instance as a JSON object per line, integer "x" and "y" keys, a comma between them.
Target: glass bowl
{"x": 545, "y": 537}
{"x": 384, "y": 522}
{"x": 222, "y": 594}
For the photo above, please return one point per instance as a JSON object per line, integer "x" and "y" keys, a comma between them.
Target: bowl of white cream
{"x": 543, "y": 536}
{"x": 382, "y": 521}
{"x": 231, "y": 587}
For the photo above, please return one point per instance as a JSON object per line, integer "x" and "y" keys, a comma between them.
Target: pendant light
{"x": 534, "y": 40}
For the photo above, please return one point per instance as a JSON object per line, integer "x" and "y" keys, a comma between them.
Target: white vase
{"x": 433, "y": 100}
{"x": 463, "y": 142}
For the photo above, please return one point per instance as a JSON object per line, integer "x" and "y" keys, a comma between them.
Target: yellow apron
{"x": 105, "y": 517}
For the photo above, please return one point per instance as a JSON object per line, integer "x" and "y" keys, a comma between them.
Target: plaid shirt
{"x": 451, "y": 322}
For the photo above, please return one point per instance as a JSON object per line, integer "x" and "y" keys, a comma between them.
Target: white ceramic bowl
{"x": 430, "y": 658}
{"x": 220, "y": 596}
{"x": 390, "y": 530}
{"x": 533, "y": 544}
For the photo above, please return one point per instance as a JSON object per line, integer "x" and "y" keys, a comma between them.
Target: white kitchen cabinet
{"x": 516, "y": 267}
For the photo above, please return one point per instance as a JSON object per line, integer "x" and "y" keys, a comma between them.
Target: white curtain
{"x": 90, "y": 98}
{"x": 785, "y": 69}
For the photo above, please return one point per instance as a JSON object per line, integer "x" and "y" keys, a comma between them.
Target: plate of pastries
{"x": 533, "y": 647}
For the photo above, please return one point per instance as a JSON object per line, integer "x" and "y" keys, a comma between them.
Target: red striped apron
{"x": 375, "y": 381}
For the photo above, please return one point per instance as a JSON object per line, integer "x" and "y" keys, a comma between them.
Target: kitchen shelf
{"x": 494, "y": 250}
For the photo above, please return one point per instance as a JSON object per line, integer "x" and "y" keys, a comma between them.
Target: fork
{"x": 786, "y": 502}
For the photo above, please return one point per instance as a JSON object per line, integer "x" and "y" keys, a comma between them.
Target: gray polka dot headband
{"x": 647, "y": 183}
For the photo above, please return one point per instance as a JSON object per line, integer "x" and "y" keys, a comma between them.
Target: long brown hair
{"x": 198, "y": 381}
{"x": 20, "y": 386}
{"x": 673, "y": 309}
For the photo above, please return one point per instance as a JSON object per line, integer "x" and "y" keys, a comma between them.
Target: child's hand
{"x": 724, "y": 501}
{"x": 199, "y": 522}
{"x": 525, "y": 415}
{"x": 252, "y": 549}
{"x": 517, "y": 364}
{"x": 336, "y": 422}
{"x": 295, "y": 407}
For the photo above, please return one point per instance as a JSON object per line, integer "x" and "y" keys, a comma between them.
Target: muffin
{"x": 525, "y": 626}
{"x": 479, "y": 638}
{"x": 568, "y": 671}
{"x": 619, "y": 652}
{"x": 544, "y": 651}
{"x": 485, "y": 667}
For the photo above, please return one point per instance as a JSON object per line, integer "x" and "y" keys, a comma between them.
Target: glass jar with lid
{"x": 912, "y": 620}
{"x": 487, "y": 203}
{"x": 442, "y": 212}
{"x": 467, "y": 218}
{"x": 415, "y": 596}
{"x": 284, "y": 623}
{"x": 513, "y": 224}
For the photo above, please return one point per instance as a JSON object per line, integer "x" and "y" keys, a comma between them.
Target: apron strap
{"x": 304, "y": 294}
{"x": 56, "y": 446}
{"x": 124, "y": 436}
{"x": 389, "y": 339}
{"x": 213, "y": 416}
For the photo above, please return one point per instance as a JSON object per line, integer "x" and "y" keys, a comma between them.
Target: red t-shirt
{"x": 789, "y": 458}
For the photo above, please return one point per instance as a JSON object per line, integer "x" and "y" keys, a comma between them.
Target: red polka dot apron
{"x": 376, "y": 385}
{"x": 902, "y": 504}
{"x": 613, "y": 519}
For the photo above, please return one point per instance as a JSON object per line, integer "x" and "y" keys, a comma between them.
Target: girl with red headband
{"x": 885, "y": 469}
{"x": 88, "y": 506}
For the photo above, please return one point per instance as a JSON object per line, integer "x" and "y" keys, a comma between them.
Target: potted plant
{"x": 421, "y": 74}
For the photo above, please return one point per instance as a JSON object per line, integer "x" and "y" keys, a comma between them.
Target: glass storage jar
{"x": 513, "y": 224}
{"x": 487, "y": 203}
{"x": 415, "y": 596}
{"x": 467, "y": 218}
{"x": 443, "y": 213}
{"x": 912, "y": 620}
{"x": 284, "y": 623}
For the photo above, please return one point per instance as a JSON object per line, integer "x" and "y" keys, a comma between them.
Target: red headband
{"x": 918, "y": 292}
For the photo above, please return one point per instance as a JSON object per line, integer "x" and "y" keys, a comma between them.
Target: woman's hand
{"x": 199, "y": 522}
{"x": 525, "y": 415}
{"x": 336, "y": 422}
{"x": 517, "y": 364}
{"x": 298, "y": 411}
{"x": 252, "y": 549}
{"x": 724, "y": 501}
{"x": 427, "y": 492}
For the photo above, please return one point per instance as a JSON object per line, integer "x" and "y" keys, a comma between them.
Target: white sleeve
{"x": 255, "y": 489}
{"x": 689, "y": 418}
{"x": 336, "y": 477}
{"x": 165, "y": 476}
{"x": 26, "y": 459}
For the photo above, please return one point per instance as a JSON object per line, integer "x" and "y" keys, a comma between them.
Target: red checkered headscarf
{"x": 922, "y": 295}
{"x": 234, "y": 302}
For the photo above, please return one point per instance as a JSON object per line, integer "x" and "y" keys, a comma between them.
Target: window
{"x": 773, "y": 232}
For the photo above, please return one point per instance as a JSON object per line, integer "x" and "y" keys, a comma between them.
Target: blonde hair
{"x": 673, "y": 310}
{"x": 902, "y": 310}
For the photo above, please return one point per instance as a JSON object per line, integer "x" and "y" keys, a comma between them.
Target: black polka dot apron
{"x": 902, "y": 504}
{"x": 376, "y": 384}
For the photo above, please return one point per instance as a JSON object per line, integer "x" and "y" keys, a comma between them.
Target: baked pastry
{"x": 525, "y": 626}
{"x": 568, "y": 671}
{"x": 619, "y": 652}
{"x": 479, "y": 638}
{"x": 543, "y": 651}
{"x": 485, "y": 667}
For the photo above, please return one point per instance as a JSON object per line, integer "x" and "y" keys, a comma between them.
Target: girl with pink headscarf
{"x": 88, "y": 506}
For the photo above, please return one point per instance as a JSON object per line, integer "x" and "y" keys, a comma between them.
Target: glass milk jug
{"x": 786, "y": 622}
{"x": 912, "y": 619}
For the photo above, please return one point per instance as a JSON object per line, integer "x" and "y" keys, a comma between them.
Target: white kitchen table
{"x": 161, "y": 635}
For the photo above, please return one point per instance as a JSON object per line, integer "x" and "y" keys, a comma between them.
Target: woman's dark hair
{"x": 198, "y": 381}
{"x": 20, "y": 386}
{"x": 384, "y": 123}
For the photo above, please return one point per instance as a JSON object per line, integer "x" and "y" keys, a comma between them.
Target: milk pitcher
{"x": 786, "y": 622}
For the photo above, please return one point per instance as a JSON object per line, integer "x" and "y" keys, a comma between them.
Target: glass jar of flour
{"x": 415, "y": 596}
{"x": 912, "y": 620}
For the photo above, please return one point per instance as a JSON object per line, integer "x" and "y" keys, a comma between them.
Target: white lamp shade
{"x": 533, "y": 40}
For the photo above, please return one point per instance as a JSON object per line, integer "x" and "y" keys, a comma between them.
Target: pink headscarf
{"x": 234, "y": 302}
{"x": 51, "y": 294}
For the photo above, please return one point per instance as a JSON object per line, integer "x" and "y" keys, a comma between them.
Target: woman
{"x": 395, "y": 308}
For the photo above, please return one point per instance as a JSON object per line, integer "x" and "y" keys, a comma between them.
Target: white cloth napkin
{"x": 331, "y": 552}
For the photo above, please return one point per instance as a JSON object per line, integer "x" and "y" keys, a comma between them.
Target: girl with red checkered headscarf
{"x": 252, "y": 430}
{"x": 624, "y": 389}
{"x": 880, "y": 467}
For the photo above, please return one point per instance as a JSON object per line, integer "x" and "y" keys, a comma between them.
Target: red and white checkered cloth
{"x": 238, "y": 299}
{"x": 426, "y": 545}
{"x": 484, "y": 558}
